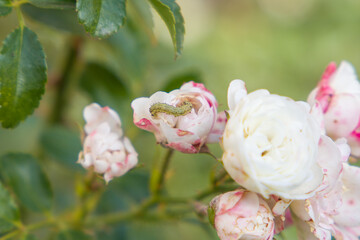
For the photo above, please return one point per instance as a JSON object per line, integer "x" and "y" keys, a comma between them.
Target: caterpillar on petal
{"x": 181, "y": 110}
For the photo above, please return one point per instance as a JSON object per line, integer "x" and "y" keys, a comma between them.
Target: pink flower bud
{"x": 184, "y": 119}
{"x": 106, "y": 150}
{"x": 241, "y": 214}
{"x": 338, "y": 94}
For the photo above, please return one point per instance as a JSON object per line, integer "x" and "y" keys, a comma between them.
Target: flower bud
{"x": 241, "y": 214}
{"x": 106, "y": 150}
{"x": 184, "y": 119}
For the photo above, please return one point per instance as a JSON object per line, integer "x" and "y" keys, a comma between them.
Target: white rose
{"x": 271, "y": 144}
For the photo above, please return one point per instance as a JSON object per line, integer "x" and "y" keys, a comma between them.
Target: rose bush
{"x": 271, "y": 144}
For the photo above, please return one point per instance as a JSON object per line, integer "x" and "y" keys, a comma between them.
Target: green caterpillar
{"x": 181, "y": 110}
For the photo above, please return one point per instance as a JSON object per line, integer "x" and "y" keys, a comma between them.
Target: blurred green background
{"x": 280, "y": 45}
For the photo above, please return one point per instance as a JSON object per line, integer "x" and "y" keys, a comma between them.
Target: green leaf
{"x": 5, "y": 7}
{"x": 170, "y": 12}
{"x": 101, "y": 17}
{"x": 64, "y": 19}
{"x": 9, "y": 212}
{"x": 103, "y": 85}
{"x": 23, "y": 175}
{"x": 176, "y": 81}
{"x": 22, "y": 76}
{"x": 130, "y": 48}
{"x": 123, "y": 192}
{"x": 73, "y": 235}
{"x": 60, "y": 4}
{"x": 63, "y": 145}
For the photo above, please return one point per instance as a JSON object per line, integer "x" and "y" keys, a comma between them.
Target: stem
{"x": 89, "y": 191}
{"x": 27, "y": 228}
{"x": 212, "y": 190}
{"x": 159, "y": 177}
{"x": 139, "y": 212}
{"x": 18, "y": 3}
{"x": 218, "y": 179}
{"x": 10, "y": 235}
{"x": 113, "y": 218}
{"x": 213, "y": 156}
{"x": 282, "y": 236}
{"x": 20, "y": 17}
{"x": 62, "y": 94}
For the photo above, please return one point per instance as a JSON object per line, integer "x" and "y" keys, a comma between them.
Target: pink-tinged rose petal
{"x": 346, "y": 233}
{"x": 329, "y": 71}
{"x": 330, "y": 160}
{"x": 342, "y": 116}
{"x": 183, "y": 147}
{"x": 316, "y": 112}
{"x": 146, "y": 125}
{"x": 303, "y": 229}
{"x": 344, "y": 149}
{"x": 345, "y": 80}
{"x": 349, "y": 212}
{"x": 94, "y": 115}
{"x": 218, "y": 128}
{"x": 101, "y": 166}
{"x": 281, "y": 206}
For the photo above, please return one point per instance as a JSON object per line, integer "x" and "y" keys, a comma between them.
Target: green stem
{"x": 89, "y": 191}
{"x": 213, "y": 190}
{"x": 218, "y": 179}
{"x": 10, "y": 235}
{"x": 213, "y": 156}
{"x": 139, "y": 212}
{"x": 18, "y": 3}
{"x": 113, "y": 218}
{"x": 28, "y": 229}
{"x": 20, "y": 17}
{"x": 62, "y": 94}
{"x": 159, "y": 177}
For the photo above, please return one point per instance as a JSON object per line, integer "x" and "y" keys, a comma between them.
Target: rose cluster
{"x": 289, "y": 158}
